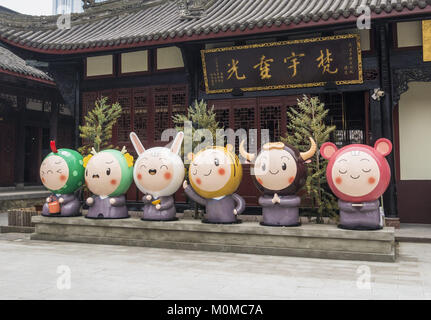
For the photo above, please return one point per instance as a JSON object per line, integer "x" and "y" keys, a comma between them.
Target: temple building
{"x": 368, "y": 61}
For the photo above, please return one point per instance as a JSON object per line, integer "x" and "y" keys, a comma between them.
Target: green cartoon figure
{"x": 62, "y": 173}
{"x": 108, "y": 175}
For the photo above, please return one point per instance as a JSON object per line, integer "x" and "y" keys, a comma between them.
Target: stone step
{"x": 315, "y": 241}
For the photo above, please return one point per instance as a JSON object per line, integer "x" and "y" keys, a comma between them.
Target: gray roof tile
{"x": 138, "y": 21}
{"x": 12, "y": 63}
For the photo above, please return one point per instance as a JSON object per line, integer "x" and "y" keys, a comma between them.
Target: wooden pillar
{"x": 20, "y": 142}
{"x": 76, "y": 111}
{"x": 390, "y": 197}
{"x": 53, "y": 121}
{"x": 375, "y": 119}
{"x": 67, "y": 78}
{"x": 191, "y": 57}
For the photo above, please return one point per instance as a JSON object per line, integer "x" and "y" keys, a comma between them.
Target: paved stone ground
{"x": 28, "y": 270}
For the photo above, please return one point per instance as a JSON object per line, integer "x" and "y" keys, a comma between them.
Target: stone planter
{"x": 19, "y": 220}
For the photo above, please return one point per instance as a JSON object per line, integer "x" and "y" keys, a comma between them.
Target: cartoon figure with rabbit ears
{"x": 158, "y": 173}
{"x": 358, "y": 175}
{"x": 62, "y": 173}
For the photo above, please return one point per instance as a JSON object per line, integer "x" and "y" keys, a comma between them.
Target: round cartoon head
{"x": 109, "y": 172}
{"x": 279, "y": 168}
{"x": 62, "y": 171}
{"x": 158, "y": 171}
{"x": 215, "y": 172}
{"x": 358, "y": 173}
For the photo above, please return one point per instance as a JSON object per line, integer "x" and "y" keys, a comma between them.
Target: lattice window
{"x": 88, "y": 100}
{"x": 124, "y": 123}
{"x": 222, "y": 117}
{"x": 244, "y": 119}
{"x": 140, "y": 106}
{"x": 270, "y": 118}
{"x": 161, "y": 105}
{"x": 110, "y": 94}
{"x": 179, "y": 100}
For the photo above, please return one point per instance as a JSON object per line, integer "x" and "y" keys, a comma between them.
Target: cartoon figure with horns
{"x": 158, "y": 173}
{"x": 108, "y": 174}
{"x": 358, "y": 175}
{"x": 279, "y": 172}
{"x": 62, "y": 173}
{"x": 215, "y": 174}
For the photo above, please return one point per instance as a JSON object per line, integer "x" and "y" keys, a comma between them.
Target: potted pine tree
{"x": 308, "y": 120}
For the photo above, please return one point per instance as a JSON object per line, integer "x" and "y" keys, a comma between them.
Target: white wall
{"x": 136, "y": 61}
{"x": 168, "y": 58}
{"x": 99, "y": 65}
{"x": 409, "y": 34}
{"x": 415, "y": 132}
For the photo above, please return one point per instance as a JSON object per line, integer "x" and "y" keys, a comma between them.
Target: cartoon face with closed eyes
{"x": 54, "y": 172}
{"x": 358, "y": 173}
{"x": 108, "y": 173}
{"x": 215, "y": 172}
{"x": 158, "y": 171}
{"x": 61, "y": 171}
{"x": 279, "y": 168}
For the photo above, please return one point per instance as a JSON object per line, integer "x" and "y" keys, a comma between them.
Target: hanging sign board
{"x": 426, "y": 39}
{"x": 284, "y": 65}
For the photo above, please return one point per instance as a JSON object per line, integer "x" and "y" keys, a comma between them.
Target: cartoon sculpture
{"x": 62, "y": 173}
{"x": 358, "y": 175}
{"x": 158, "y": 173}
{"x": 279, "y": 172}
{"x": 215, "y": 173}
{"x": 108, "y": 174}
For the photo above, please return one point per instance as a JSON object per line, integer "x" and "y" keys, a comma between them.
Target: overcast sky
{"x": 33, "y": 7}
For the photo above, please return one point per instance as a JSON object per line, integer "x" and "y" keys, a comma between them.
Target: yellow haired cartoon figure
{"x": 215, "y": 174}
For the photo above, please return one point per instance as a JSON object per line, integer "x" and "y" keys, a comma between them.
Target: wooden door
{"x": 7, "y": 154}
{"x": 33, "y": 154}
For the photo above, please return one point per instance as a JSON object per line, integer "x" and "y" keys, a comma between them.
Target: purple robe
{"x": 69, "y": 208}
{"x": 167, "y": 210}
{"x": 103, "y": 209}
{"x": 366, "y": 217}
{"x": 219, "y": 210}
{"x": 285, "y": 213}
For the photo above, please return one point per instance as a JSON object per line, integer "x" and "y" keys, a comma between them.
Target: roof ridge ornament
{"x": 191, "y": 9}
{"x": 88, "y": 3}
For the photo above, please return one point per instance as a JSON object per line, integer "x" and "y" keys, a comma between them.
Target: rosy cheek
{"x": 338, "y": 180}
{"x": 113, "y": 182}
{"x": 371, "y": 180}
{"x": 139, "y": 176}
{"x": 260, "y": 180}
{"x": 43, "y": 180}
{"x": 198, "y": 181}
{"x": 168, "y": 176}
{"x": 221, "y": 171}
{"x": 62, "y": 177}
{"x": 291, "y": 179}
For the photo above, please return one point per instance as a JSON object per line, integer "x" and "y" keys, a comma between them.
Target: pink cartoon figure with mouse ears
{"x": 358, "y": 175}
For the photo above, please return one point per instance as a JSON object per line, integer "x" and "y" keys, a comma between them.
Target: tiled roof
{"x": 11, "y": 63}
{"x": 142, "y": 22}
